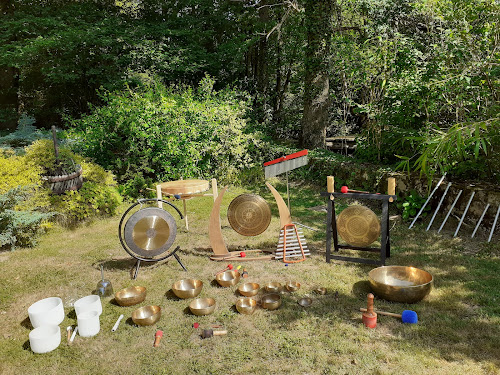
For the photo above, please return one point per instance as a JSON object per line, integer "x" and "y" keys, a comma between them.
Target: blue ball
{"x": 409, "y": 316}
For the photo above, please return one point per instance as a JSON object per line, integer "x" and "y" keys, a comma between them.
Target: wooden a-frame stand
{"x": 331, "y": 224}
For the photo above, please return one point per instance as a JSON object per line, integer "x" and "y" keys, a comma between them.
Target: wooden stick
{"x": 391, "y": 187}
{"x": 330, "y": 184}
{"x": 382, "y": 313}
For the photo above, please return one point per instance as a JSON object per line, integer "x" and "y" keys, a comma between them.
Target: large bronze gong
{"x": 150, "y": 232}
{"x": 249, "y": 214}
{"x": 358, "y": 226}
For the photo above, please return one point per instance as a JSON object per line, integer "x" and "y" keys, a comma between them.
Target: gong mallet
{"x": 344, "y": 189}
{"x": 158, "y": 336}
{"x": 210, "y": 333}
{"x": 229, "y": 267}
{"x": 370, "y": 317}
{"x": 407, "y": 316}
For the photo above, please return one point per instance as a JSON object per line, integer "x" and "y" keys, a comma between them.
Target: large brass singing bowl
{"x": 187, "y": 288}
{"x": 130, "y": 296}
{"x": 400, "y": 283}
{"x": 146, "y": 315}
{"x": 202, "y": 306}
{"x": 271, "y": 301}
{"x": 249, "y": 289}
{"x": 246, "y": 305}
{"x": 228, "y": 278}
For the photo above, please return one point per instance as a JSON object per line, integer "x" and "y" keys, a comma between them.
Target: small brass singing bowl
{"x": 130, "y": 296}
{"x": 228, "y": 278}
{"x": 187, "y": 288}
{"x": 202, "y": 306}
{"x": 273, "y": 287}
{"x": 400, "y": 283}
{"x": 320, "y": 290}
{"x": 246, "y": 305}
{"x": 305, "y": 302}
{"x": 249, "y": 289}
{"x": 292, "y": 286}
{"x": 271, "y": 301}
{"x": 146, "y": 315}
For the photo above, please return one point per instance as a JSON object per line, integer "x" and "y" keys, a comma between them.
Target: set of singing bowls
{"x": 273, "y": 287}
{"x": 187, "y": 288}
{"x": 130, "y": 296}
{"x": 228, "y": 278}
{"x": 146, "y": 315}
{"x": 292, "y": 286}
{"x": 202, "y": 306}
{"x": 249, "y": 289}
{"x": 400, "y": 283}
{"x": 246, "y": 305}
{"x": 271, "y": 301}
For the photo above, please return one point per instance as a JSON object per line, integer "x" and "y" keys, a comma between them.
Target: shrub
{"x": 156, "y": 133}
{"x": 19, "y": 228}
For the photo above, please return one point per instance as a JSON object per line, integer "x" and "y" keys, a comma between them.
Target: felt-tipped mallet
{"x": 344, "y": 189}
{"x": 229, "y": 267}
{"x": 369, "y": 317}
{"x": 210, "y": 333}
{"x": 407, "y": 316}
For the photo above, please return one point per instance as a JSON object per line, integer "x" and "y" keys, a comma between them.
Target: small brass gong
{"x": 249, "y": 214}
{"x": 358, "y": 226}
{"x": 150, "y": 232}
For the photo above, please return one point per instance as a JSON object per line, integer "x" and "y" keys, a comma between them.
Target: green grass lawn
{"x": 458, "y": 330}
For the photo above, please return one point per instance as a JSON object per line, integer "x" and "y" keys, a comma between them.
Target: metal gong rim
{"x": 249, "y": 214}
{"x": 358, "y": 226}
{"x": 150, "y": 232}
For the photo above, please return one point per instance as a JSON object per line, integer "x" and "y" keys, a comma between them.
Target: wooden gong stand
{"x": 331, "y": 224}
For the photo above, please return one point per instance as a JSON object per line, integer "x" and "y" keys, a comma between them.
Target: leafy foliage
{"x": 411, "y": 205}
{"x": 154, "y": 133}
{"x": 19, "y": 228}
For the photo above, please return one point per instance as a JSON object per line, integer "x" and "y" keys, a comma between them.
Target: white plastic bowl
{"x": 48, "y": 311}
{"x": 88, "y": 323}
{"x": 88, "y": 303}
{"x": 44, "y": 339}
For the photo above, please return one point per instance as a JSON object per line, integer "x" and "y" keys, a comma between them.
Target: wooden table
{"x": 185, "y": 189}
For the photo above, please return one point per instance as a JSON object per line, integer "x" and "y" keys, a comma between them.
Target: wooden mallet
{"x": 408, "y": 316}
{"x": 210, "y": 333}
{"x": 370, "y": 317}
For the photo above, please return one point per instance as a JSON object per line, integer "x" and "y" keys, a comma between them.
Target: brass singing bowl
{"x": 273, "y": 287}
{"x": 305, "y": 302}
{"x": 202, "y": 306}
{"x": 187, "y": 288}
{"x": 246, "y": 305}
{"x": 130, "y": 296}
{"x": 146, "y": 315}
{"x": 228, "y": 278}
{"x": 292, "y": 286}
{"x": 249, "y": 289}
{"x": 320, "y": 290}
{"x": 271, "y": 301}
{"x": 400, "y": 283}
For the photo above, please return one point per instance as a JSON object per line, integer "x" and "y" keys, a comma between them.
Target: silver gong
{"x": 150, "y": 232}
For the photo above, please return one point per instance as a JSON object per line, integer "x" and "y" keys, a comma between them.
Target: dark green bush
{"x": 154, "y": 133}
{"x": 19, "y": 228}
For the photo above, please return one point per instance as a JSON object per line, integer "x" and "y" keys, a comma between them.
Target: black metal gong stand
{"x": 139, "y": 258}
{"x": 331, "y": 229}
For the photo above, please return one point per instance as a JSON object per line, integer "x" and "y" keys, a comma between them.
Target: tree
{"x": 319, "y": 28}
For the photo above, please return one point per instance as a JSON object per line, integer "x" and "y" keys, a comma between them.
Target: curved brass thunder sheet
{"x": 285, "y": 217}
{"x": 214, "y": 228}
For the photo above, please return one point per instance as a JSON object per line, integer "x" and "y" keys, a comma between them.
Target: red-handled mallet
{"x": 370, "y": 317}
{"x": 158, "y": 336}
{"x": 344, "y": 189}
{"x": 229, "y": 267}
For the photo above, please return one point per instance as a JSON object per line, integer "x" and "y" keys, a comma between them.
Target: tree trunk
{"x": 319, "y": 26}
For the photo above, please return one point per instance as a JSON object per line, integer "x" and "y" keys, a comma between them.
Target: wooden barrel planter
{"x": 61, "y": 183}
